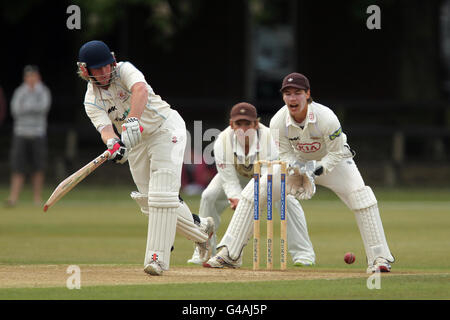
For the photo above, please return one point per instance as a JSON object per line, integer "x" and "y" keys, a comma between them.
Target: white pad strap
{"x": 362, "y": 198}
{"x": 142, "y": 201}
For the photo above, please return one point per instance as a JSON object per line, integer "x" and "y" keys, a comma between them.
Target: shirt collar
{"x": 310, "y": 117}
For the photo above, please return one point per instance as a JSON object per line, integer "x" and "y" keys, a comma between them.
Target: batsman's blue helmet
{"x": 95, "y": 54}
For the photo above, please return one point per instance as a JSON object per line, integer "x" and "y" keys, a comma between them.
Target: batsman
{"x": 138, "y": 126}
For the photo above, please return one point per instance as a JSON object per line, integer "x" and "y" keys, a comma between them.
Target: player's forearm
{"x": 108, "y": 133}
{"x": 231, "y": 185}
{"x": 139, "y": 97}
{"x": 285, "y": 151}
{"x": 232, "y": 190}
{"x": 334, "y": 156}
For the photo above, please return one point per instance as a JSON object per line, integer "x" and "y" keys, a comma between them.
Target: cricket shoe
{"x": 303, "y": 263}
{"x": 154, "y": 268}
{"x": 380, "y": 265}
{"x": 195, "y": 258}
{"x": 222, "y": 259}
{"x": 204, "y": 248}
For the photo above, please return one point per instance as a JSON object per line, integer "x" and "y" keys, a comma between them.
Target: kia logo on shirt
{"x": 308, "y": 147}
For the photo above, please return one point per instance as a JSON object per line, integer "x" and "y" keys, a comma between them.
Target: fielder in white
{"x": 245, "y": 141}
{"x": 311, "y": 139}
{"x": 120, "y": 103}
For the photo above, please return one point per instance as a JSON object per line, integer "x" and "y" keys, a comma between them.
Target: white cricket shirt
{"x": 321, "y": 138}
{"x": 231, "y": 161}
{"x": 112, "y": 106}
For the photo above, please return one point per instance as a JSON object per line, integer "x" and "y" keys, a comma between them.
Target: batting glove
{"x": 131, "y": 132}
{"x": 118, "y": 151}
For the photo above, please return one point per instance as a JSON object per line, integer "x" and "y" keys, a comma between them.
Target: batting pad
{"x": 163, "y": 189}
{"x": 185, "y": 221}
{"x": 362, "y": 198}
{"x": 161, "y": 235}
{"x": 187, "y": 227}
{"x": 239, "y": 230}
{"x": 163, "y": 203}
{"x": 364, "y": 205}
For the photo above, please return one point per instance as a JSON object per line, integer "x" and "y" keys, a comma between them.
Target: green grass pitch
{"x": 100, "y": 226}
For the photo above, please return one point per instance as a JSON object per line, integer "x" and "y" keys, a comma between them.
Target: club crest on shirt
{"x": 122, "y": 95}
{"x": 308, "y": 147}
{"x": 221, "y": 165}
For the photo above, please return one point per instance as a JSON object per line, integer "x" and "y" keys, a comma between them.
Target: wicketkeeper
{"x": 138, "y": 126}
{"x": 243, "y": 142}
{"x": 311, "y": 140}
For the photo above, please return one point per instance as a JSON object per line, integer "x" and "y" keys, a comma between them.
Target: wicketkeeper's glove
{"x": 300, "y": 180}
{"x": 119, "y": 153}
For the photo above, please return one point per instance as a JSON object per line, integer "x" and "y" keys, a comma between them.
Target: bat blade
{"x": 70, "y": 182}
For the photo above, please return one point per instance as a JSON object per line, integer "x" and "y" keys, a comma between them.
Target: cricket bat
{"x": 70, "y": 182}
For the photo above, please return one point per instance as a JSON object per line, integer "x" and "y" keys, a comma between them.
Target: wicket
{"x": 256, "y": 214}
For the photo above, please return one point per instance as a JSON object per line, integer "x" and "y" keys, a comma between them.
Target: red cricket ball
{"x": 349, "y": 258}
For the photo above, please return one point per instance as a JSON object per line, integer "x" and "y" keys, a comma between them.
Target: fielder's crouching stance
{"x": 240, "y": 229}
{"x": 236, "y": 149}
{"x": 152, "y": 139}
{"x": 310, "y": 137}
